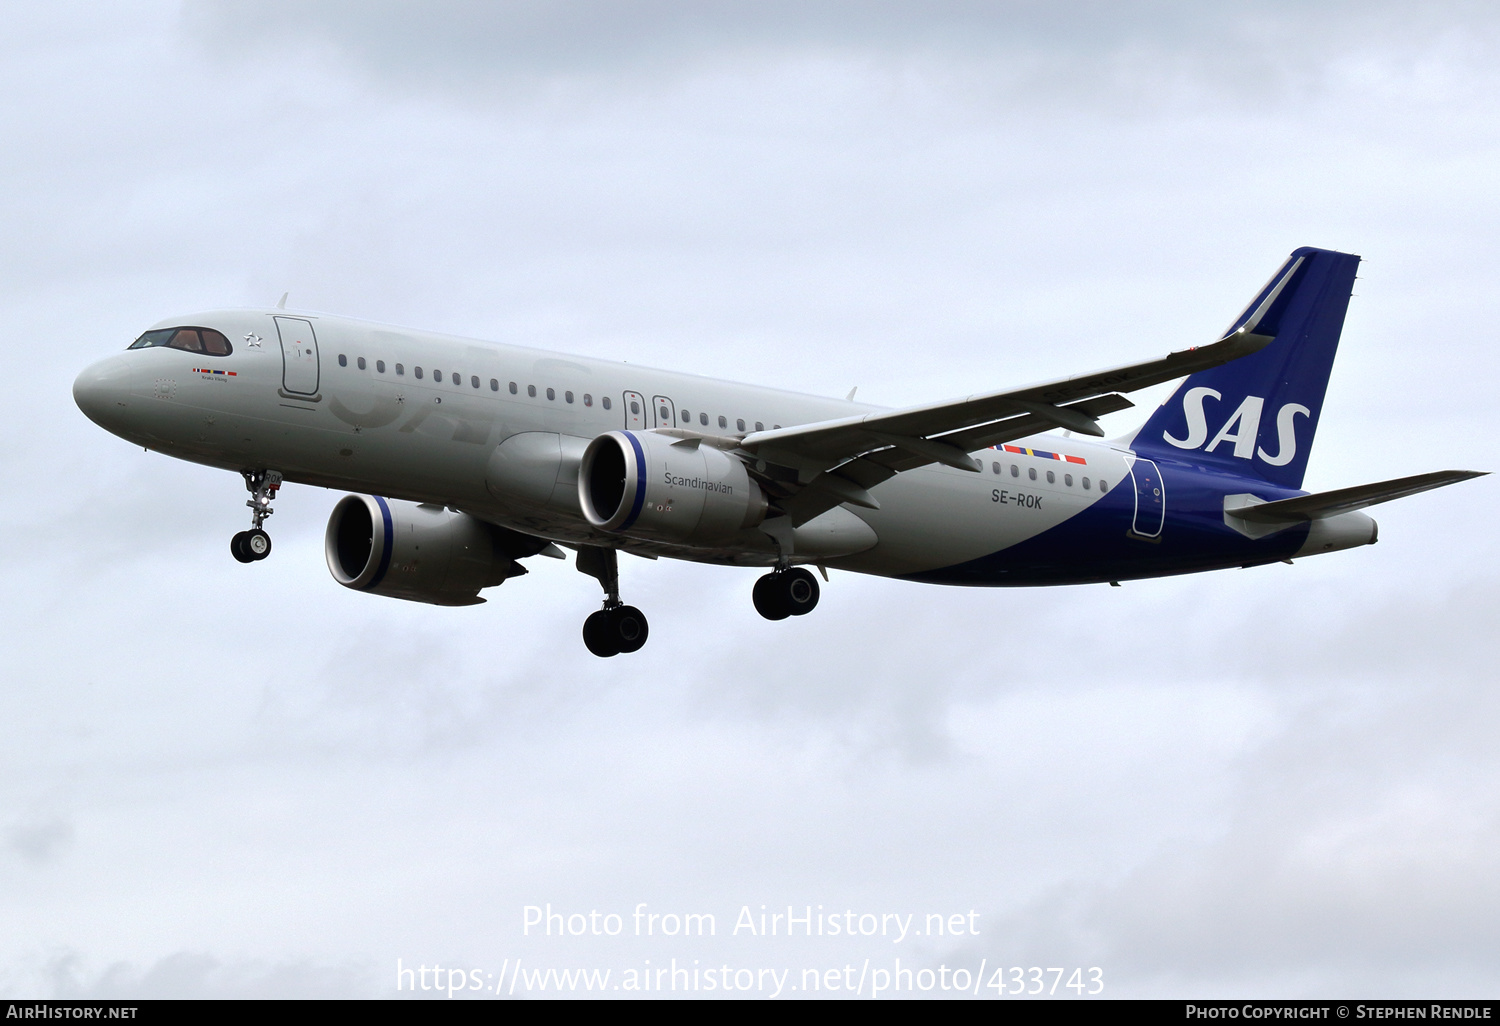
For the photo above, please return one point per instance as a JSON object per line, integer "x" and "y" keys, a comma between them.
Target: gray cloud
{"x": 1124, "y": 59}
{"x": 40, "y": 841}
{"x": 185, "y": 975}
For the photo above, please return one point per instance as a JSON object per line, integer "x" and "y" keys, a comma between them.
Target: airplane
{"x": 467, "y": 457}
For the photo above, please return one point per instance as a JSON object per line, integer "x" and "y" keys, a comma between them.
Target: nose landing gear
{"x": 255, "y": 544}
{"x": 784, "y": 593}
{"x": 617, "y": 628}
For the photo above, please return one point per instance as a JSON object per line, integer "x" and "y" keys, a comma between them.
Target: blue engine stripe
{"x": 387, "y": 542}
{"x": 640, "y": 483}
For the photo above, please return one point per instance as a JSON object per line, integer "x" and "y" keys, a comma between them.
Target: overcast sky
{"x": 223, "y": 780}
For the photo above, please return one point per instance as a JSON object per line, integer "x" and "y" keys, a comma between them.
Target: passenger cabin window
{"x": 474, "y": 381}
{"x": 531, "y": 391}
{"x": 739, "y": 425}
{"x": 568, "y": 396}
{"x": 606, "y": 402}
{"x": 361, "y": 363}
{"x": 723, "y": 422}
{"x": 494, "y": 384}
{"x": 588, "y": 400}
{"x": 703, "y": 419}
{"x": 343, "y": 360}
{"x": 1031, "y": 473}
{"x": 458, "y": 379}
{"x": 192, "y": 340}
{"x": 1015, "y": 471}
{"x": 380, "y": 366}
{"x": 1051, "y": 477}
{"x": 417, "y": 371}
{"x": 400, "y": 369}
{"x": 759, "y": 426}
{"x": 687, "y": 418}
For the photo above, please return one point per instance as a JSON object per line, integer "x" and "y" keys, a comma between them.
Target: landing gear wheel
{"x": 786, "y": 593}
{"x": 799, "y": 590}
{"x": 257, "y": 544}
{"x": 768, "y": 598}
{"x": 613, "y": 631}
{"x": 237, "y": 547}
{"x": 629, "y": 628}
{"x": 598, "y": 637}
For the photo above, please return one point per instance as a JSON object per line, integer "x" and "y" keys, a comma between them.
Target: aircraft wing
{"x": 840, "y": 460}
{"x": 1344, "y": 500}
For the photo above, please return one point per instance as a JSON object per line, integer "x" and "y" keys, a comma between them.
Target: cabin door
{"x": 635, "y": 412}
{"x": 299, "y": 356}
{"x": 1150, "y": 498}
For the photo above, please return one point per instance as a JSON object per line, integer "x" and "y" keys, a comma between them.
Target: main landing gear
{"x": 617, "y": 627}
{"x": 784, "y": 593}
{"x": 255, "y": 544}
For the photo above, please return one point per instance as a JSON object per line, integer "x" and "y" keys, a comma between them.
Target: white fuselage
{"x": 414, "y": 415}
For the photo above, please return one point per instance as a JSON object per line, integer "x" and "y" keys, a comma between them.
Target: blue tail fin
{"x": 1257, "y": 415}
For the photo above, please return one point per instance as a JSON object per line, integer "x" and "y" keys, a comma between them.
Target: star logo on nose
{"x": 253, "y": 341}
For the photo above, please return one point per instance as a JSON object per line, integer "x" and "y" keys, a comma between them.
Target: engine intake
{"x": 650, "y": 485}
{"x": 422, "y": 553}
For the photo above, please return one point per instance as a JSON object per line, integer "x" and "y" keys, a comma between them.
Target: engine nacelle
{"x": 423, "y": 553}
{"x": 650, "y": 485}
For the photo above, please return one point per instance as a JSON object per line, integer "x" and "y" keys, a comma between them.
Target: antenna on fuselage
{"x": 282, "y": 305}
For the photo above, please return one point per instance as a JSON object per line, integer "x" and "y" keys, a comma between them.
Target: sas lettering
{"x": 1241, "y": 430}
{"x": 1007, "y": 498}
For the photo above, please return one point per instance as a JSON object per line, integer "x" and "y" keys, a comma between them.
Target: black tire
{"x": 598, "y": 637}
{"x": 257, "y": 544}
{"x": 799, "y": 591}
{"x": 629, "y": 627}
{"x": 237, "y": 547}
{"x": 768, "y": 598}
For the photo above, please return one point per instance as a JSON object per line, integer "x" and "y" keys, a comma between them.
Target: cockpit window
{"x": 193, "y": 340}
{"x": 152, "y": 338}
{"x": 186, "y": 338}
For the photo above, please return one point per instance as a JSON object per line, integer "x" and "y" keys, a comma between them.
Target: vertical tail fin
{"x": 1257, "y": 415}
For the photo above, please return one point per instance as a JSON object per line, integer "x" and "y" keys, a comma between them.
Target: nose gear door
{"x": 299, "y": 356}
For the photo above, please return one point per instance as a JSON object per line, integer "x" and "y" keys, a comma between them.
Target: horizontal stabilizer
{"x": 1321, "y": 505}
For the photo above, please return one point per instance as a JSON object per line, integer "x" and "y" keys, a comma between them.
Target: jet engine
{"x": 652, "y": 485}
{"x": 424, "y": 553}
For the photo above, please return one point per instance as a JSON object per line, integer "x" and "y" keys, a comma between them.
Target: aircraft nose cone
{"x": 102, "y": 391}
